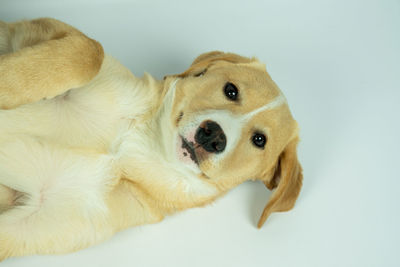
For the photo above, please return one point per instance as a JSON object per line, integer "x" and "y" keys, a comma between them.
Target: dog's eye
{"x": 259, "y": 140}
{"x": 231, "y": 92}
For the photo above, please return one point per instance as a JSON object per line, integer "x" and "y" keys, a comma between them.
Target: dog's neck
{"x": 148, "y": 158}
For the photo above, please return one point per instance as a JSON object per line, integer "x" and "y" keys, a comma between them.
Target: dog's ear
{"x": 204, "y": 61}
{"x": 286, "y": 180}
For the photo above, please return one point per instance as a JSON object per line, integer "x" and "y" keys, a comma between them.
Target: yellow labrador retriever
{"x": 88, "y": 149}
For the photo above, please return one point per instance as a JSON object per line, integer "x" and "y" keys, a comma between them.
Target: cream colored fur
{"x": 88, "y": 149}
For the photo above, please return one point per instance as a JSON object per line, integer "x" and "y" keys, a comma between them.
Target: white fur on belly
{"x": 53, "y": 178}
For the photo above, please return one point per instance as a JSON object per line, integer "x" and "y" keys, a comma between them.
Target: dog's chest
{"x": 85, "y": 118}
{"x": 98, "y": 113}
{"x": 81, "y": 124}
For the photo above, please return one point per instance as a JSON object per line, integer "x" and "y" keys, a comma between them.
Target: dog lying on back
{"x": 88, "y": 149}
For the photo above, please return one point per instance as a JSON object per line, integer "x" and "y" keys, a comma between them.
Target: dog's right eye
{"x": 231, "y": 92}
{"x": 259, "y": 140}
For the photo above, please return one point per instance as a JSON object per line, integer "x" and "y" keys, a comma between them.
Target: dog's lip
{"x": 189, "y": 146}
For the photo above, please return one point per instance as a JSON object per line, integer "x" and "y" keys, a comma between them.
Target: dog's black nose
{"x": 211, "y": 137}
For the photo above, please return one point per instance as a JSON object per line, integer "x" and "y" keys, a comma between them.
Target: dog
{"x": 88, "y": 149}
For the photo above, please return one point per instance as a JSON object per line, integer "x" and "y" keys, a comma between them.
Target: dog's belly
{"x": 55, "y": 178}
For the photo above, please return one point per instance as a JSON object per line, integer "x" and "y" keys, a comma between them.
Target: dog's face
{"x": 233, "y": 124}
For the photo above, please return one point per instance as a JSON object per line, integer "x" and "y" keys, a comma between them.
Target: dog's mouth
{"x": 188, "y": 150}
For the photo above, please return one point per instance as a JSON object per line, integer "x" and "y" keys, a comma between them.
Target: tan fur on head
{"x": 286, "y": 175}
{"x": 201, "y": 63}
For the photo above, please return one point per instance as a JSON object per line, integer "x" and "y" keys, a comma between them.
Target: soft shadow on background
{"x": 337, "y": 62}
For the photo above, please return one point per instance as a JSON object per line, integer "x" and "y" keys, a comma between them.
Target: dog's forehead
{"x": 256, "y": 88}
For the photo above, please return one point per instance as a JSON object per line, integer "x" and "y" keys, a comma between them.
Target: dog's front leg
{"x": 43, "y": 58}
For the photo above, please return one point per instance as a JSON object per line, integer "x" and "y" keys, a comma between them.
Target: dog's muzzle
{"x": 211, "y": 137}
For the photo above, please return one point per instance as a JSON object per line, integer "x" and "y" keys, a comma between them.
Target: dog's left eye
{"x": 259, "y": 140}
{"x": 231, "y": 91}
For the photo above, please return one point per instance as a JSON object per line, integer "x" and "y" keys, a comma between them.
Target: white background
{"x": 338, "y": 64}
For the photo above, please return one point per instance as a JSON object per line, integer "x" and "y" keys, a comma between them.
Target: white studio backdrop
{"x": 338, "y": 64}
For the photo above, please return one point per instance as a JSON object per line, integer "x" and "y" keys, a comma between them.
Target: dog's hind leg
{"x": 61, "y": 205}
{"x": 43, "y": 58}
{"x": 40, "y": 229}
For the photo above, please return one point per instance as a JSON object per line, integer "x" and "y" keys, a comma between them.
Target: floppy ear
{"x": 287, "y": 180}
{"x": 202, "y": 62}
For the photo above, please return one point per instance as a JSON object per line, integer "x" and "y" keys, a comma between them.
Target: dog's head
{"x": 232, "y": 123}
